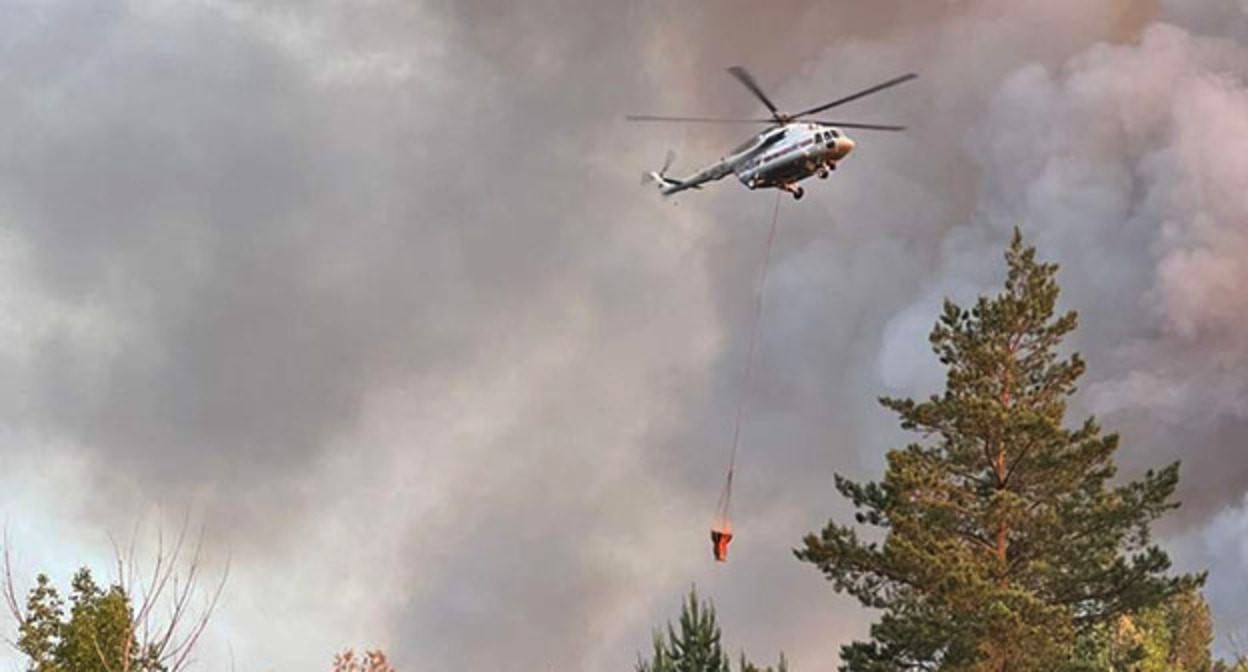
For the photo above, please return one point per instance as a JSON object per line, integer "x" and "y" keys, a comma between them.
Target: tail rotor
{"x": 660, "y": 178}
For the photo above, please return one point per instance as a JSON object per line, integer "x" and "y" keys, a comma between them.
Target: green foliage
{"x": 1172, "y": 637}
{"x": 40, "y": 632}
{"x": 97, "y": 635}
{"x": 1004, "y": 541}
{"x": 1189, "y": 627}
{"x": 696, "y": 647}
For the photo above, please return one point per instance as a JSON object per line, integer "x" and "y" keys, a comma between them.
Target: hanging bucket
{"x": 719, "y": 544}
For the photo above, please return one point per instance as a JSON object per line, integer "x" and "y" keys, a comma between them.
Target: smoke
{"x": 372, "y": 288}
{"x": 1219, "y": 546}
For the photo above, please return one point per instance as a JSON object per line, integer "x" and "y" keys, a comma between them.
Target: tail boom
{"x": 667, "y": 186}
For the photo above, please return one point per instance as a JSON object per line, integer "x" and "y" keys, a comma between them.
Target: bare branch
{"x": 174, "y": 582}
{"x": 9, "y": 589}
{"x": 184, "y": 648}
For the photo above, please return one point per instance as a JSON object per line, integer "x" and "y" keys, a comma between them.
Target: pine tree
{"x": 1003, "y": 539}
{"x": 696, "y": 647}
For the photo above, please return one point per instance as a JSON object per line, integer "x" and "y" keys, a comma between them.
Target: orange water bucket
{"x": 719, "y": 544}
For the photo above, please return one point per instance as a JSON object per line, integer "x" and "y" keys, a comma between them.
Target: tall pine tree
{"x": 1002, "y": 540}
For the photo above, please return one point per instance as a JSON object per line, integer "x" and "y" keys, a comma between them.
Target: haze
{"x": 372, "y": 290}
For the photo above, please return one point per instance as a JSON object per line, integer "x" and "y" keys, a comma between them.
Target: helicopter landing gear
{"x": 797, "y": 191}
{"x": 822, "y": 173}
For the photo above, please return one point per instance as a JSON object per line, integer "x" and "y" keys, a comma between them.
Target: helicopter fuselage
{"x": 779, "y": 157}
{"x": 792, "y": 153}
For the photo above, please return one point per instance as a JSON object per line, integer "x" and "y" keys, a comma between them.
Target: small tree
{"x": 114, "y": 629}
{"x": 94, "y": 637}
{"x": 1175, "y": 636}
{"x": 1189, "y": 633}
{"x": 696, "y": 647}
{"x": 1004, "y": 540}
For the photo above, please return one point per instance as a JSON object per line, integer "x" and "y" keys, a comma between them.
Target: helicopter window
{"x": 834, "y": 133}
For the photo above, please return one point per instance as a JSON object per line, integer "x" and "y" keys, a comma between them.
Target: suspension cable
{"x": 725, "y": 498}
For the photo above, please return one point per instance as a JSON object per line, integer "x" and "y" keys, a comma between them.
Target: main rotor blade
{"x": 865, "y": 92}
{"x": 745, "y": 78}
{"x": 704, "y": 120}
{"x": 667, "y": 161}
{"x": 851, "y": 124}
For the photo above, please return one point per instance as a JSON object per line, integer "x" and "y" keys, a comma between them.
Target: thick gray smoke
{"x": 371, "y": 287}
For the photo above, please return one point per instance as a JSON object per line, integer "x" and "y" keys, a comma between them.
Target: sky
{"x": 371, "y": 292}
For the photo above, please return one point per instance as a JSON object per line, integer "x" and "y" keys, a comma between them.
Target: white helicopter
{"x": 791, "y": 150}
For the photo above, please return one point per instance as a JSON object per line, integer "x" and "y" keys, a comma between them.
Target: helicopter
{"x": 793, "y": 148}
